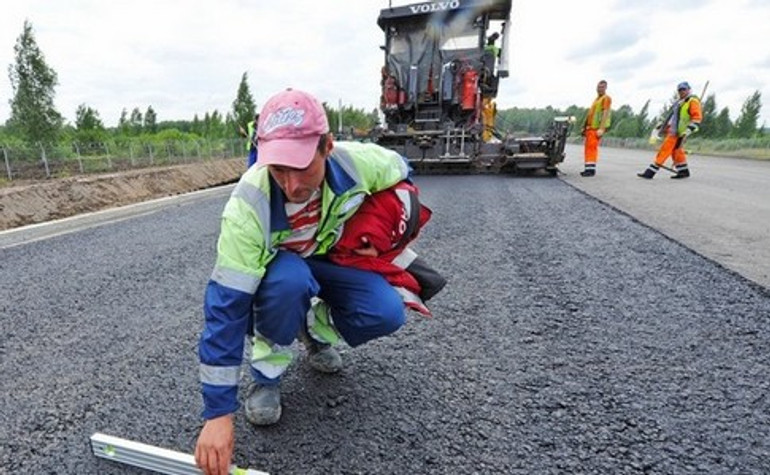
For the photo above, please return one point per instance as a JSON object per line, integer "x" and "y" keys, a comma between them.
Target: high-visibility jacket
{"x": 494, "y": 50}
{"x": 251, "y": 139}
{"x": 254, "y": 223}
{"x": 689, "y": 115}
{"x": 594, "y": 116}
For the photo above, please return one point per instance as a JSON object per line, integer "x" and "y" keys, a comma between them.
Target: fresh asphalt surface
{"x": 571, "y": 338}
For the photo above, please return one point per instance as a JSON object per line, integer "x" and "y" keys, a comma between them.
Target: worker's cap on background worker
{"x": 684, "y": 85}
{"x": 290, "y": 125}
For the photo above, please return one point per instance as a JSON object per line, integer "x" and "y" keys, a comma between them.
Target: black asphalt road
{"x": 570, "y": 339}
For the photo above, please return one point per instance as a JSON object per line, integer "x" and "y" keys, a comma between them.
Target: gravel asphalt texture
{"x": 570, "y": 339}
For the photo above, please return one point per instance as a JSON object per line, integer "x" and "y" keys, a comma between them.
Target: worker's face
{"x": 601, "y": 88}
{"x": 683, "y": 93}
{"x": 299, "y": 184}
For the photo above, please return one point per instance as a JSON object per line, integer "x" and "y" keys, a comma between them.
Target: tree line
{"x": 627, "y": 124}
{"x": 35, "y": 120}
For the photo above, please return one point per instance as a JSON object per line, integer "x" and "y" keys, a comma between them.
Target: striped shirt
{"x": 303, "y": 221}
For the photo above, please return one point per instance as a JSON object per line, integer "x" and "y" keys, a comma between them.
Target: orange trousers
{"x": 671, "y": 147}
{"x": 591, "y": 153}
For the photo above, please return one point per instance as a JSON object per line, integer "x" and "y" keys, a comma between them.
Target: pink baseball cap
{"x": 290, "y": 125}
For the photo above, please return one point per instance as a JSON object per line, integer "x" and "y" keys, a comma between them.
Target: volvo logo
{"x": 435, "y": 7}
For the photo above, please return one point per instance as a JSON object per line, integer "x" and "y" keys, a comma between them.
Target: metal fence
{"x": 42, "y": 161}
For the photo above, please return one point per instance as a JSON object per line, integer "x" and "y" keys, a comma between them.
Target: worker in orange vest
{"x": 681, "y": 121}
{"x": 596, "y": 124}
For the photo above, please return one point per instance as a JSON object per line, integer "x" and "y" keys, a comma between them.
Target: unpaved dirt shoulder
{"x": 60, "y": 198}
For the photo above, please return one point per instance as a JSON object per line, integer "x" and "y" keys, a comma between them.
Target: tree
{"x": 374, "y": 117}
{"x": 579, "y": 113}
{"x": 150, "y": 120}
{"x": 206, "y": 125}
{"x": 33, "y": 115}
{"x": 349, "y": 116}
{"x": 135, "y": 121}
{"x": 89, "y": 128}
{"x": 216, "y": 125}
{"x": 526, "y": 121}
{"x": 196, "y": 127}
{"x": 643, "y": 125}
{"x": 708, "y": 123}
{"x": 123, "y": 125}
{"x": 244, "y": 108}
{"x": 88, "y": 125}
{"x": 87, "y": 118}
{"x": 746, "y": 123}
{"x": 213, "y": 126}
{"x": 624, "y": 123}
{"x": 723, "y": 125}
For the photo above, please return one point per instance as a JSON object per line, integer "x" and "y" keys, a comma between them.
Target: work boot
{"x": 263, "y": 404}
{"x": 648, "y": 174}
{"x": 321, "y": 357}
{"x": 588, "y": 172}
{"x": 681, "y": 174}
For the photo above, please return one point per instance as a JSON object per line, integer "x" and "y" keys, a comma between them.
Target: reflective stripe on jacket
{"x": 253, "y": 224}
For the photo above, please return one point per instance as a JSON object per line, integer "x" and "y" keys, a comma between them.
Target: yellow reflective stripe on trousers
{"x": 320, "y": 324}
{"x": 270, "y": 359}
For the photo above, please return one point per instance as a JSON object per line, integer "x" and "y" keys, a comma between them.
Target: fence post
{"x": 131, "y": 153}
{"x": 198, "y": 147}
{"x": 107, "y": 151}
{"x": 7, "y": 164}
{"x": 80, "y": 160}
{"x": 149, "y": 148}
{"x": 45, "y": 160}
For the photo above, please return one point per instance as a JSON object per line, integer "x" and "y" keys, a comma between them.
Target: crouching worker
{"x": 273, "y": 281}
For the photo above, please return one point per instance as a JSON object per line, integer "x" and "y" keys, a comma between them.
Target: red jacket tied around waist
{"x": 387, "y": 222}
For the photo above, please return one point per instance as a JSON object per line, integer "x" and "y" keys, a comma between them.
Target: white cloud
{"x": 612, "y": 39}
{"x": 187, "y": 57}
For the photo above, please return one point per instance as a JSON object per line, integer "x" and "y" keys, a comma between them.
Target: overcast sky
{"x": 187, "y": 57}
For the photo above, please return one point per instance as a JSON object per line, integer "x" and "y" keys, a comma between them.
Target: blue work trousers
{"x": 364, "y": 306}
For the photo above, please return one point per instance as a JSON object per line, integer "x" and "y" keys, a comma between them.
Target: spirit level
{"x": 152, "y": 458}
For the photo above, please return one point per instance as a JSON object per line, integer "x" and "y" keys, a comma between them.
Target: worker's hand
{"x": 214, "y": 449}
{"x": 600, "y": 132}
{"x": 366, "y": 248}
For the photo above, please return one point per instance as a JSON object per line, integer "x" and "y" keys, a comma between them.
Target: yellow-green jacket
{"x": 251, "y": 137}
